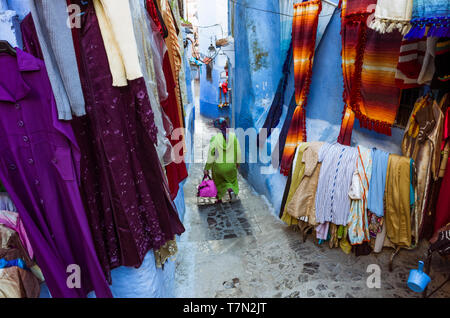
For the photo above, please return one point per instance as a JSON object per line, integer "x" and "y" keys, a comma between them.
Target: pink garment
{"x": 207, "y": 189}
{"x": 13, "y": 221}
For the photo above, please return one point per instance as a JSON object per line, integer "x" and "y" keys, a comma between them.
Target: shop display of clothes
{"x": 328, "y": 190}
{"x": 40, "y": 171}
{"x": 129, "y": 212}
{"x": 91, "y": 109}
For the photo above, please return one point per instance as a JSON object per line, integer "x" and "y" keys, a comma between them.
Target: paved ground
{"x": 243, "y": 250}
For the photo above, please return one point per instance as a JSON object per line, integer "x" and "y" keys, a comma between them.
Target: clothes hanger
{"x": 5, "y": 47}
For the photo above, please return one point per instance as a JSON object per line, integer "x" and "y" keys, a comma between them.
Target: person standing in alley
{"x": 224, "y": 155}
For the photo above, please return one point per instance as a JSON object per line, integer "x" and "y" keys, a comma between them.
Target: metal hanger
{"x": 5, "y": 47}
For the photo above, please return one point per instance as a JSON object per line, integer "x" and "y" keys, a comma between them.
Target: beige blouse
{"x": 116, "y": 25}
{"x": 303, "y": 201}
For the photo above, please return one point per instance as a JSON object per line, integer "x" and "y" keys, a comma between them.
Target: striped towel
{"x": 304, "y": 30}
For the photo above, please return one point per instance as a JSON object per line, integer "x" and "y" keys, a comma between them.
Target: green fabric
{"x": 223, "y": 158}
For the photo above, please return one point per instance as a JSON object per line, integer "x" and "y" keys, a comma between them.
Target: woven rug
{"x": 354, "y": 20}
{"x": 304, "y": 32}
{"x": 369, "y": 63}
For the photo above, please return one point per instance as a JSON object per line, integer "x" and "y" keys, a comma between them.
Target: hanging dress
{"x": 127, "y": 199}
{"x": 39, "y": 167}
{"x": 358, "y": 229}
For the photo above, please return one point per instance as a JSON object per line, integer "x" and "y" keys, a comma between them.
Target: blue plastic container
{"x": 418, "y": 280}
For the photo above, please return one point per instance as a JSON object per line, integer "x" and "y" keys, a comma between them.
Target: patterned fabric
{"x": 369, "y": 62}
{"x": 398, "y": 201}
{"x": 335, "y": 178}
{"x": 434, "y": 14}
{"x": 358, "y": 229}
{"x": 304, "y": 29}
{"x": 375, "y": 223}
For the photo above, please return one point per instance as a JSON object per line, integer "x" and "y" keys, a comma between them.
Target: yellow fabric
{"x": 297, "y": 176}
{"x": 344, "y": 244}
{"x": 397, "y": 201}
{"x": 116, "y": 25}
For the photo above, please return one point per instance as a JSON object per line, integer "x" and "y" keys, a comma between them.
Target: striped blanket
{"x": 354, "y": 18}
{"x": 369, "y": 63}
{"x": 380, "y": 97}
{"x": 304, "y": 29}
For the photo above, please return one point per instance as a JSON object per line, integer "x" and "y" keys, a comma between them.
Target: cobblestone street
{"x": 242, "y": 249}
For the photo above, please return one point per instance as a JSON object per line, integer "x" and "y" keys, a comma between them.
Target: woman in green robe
{"x": 224, "y": 156}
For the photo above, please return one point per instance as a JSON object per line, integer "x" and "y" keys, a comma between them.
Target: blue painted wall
{"x": 209, "y": 94}
{"x": 146, "y": 281}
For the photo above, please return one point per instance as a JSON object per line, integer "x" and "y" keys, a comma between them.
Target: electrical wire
{"x": 279, "y": 13}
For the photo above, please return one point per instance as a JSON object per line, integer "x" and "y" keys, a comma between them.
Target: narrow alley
{"x": 242, "y": 249}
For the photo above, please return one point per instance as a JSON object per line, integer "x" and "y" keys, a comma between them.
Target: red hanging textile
{"x": 369, "y": 63}
{"x": 304, "y": 33}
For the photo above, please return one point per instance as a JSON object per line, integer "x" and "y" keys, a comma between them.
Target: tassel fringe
{"x": 388, "y": 26}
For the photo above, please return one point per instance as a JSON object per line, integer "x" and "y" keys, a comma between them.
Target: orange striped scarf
{"x": 369, "y": 61}
{"x": 354, "y": 17}
{"x": 304, "y": 32}
{"x": 380, "y": 96}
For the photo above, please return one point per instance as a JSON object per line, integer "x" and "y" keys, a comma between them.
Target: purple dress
{"x": 125, "y": 190}
{"x": 39, "y": 167}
